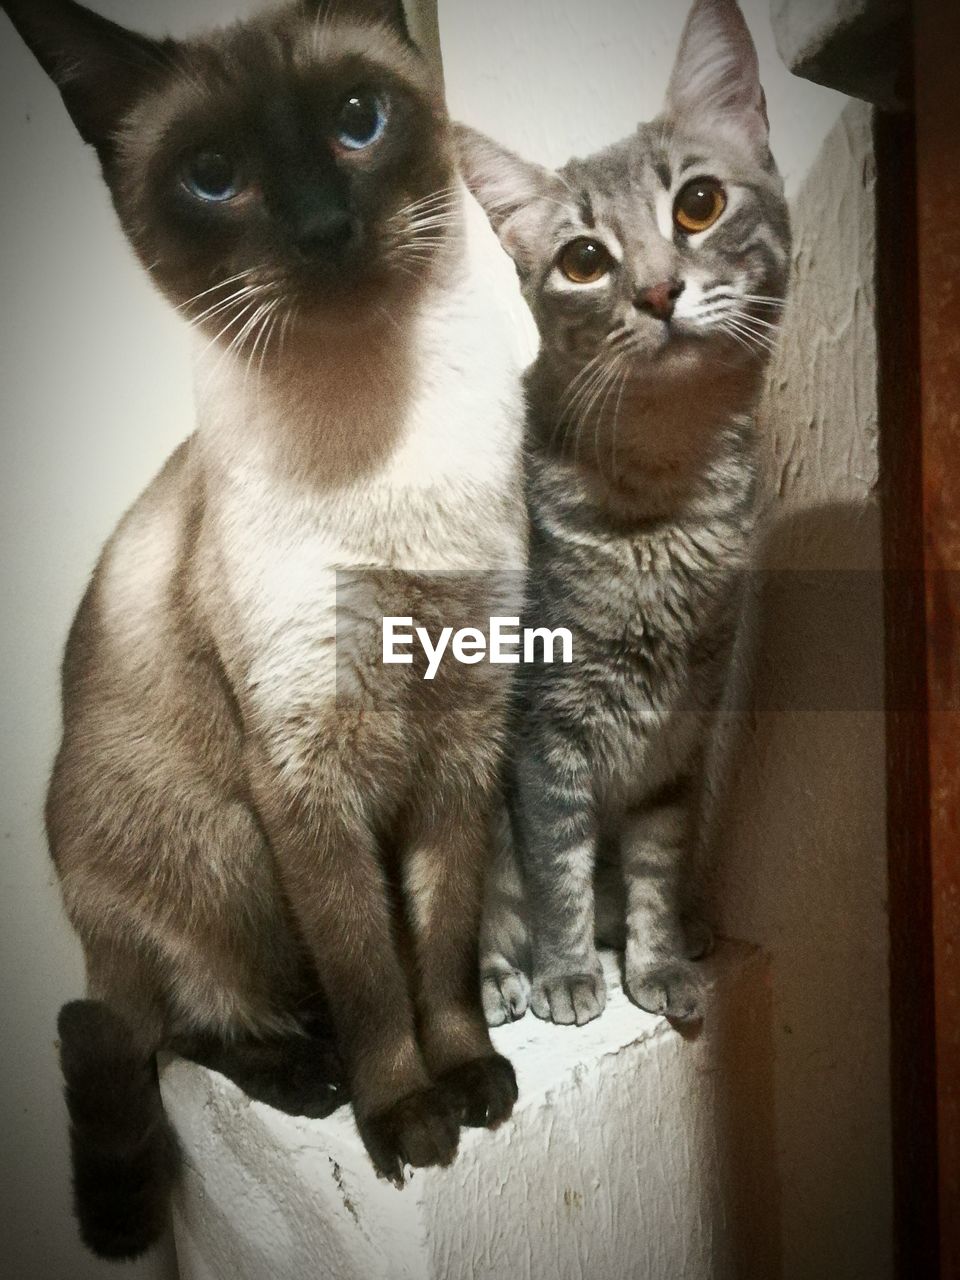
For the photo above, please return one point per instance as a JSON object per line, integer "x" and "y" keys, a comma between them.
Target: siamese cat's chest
{"x": 444, "y": 499}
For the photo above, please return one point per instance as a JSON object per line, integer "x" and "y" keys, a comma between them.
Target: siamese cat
{"x": 271, "y": 845}
{"x": 657, "y": 271}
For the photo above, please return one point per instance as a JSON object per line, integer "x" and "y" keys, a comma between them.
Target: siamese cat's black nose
{"x": 324, "y": 232}
{"x": 660, "y": 301}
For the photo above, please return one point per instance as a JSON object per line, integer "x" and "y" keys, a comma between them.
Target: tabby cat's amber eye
{"x": 585, "y": 261}
{"x": 699, "y": 205}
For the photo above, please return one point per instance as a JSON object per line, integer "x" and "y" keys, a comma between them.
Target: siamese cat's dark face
{"x": 283, "y": 166}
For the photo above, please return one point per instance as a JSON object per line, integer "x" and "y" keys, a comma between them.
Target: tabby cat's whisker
{"x": 624, "y": 379}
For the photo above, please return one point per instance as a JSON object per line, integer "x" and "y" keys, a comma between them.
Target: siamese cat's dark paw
{"x": 481, "y": 1093}
{"x": 506, "y": 995}
{"x": 420, "y": 1130}
{"x": 569, "y": 998}
{"x": 673, "y": 989}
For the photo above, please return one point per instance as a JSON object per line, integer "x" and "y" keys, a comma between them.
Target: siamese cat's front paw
{"x": 568, "y": 998}
{"x": 420, "y": 1130}
{"x": 481, "y": 1093}
{"x": 673, "y": 989}
{"x": 506, "y": 995}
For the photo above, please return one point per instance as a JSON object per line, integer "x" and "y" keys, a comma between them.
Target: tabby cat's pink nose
{"x": 661, "y": 299}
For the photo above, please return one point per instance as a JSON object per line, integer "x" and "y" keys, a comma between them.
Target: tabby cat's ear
{"x": 508, "y": 189}
{"x": 715, "y": 86}
{"x": 100, "y": 68}
{"x": 390, "y": 12}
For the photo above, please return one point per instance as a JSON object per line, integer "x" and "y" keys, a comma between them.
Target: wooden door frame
{"x": 918, "y": 253}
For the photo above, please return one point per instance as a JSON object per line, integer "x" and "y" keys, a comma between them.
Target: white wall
{"x": 94, "y": 393}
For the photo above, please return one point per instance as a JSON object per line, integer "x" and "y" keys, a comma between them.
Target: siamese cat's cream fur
{"x": 270, "y": 844}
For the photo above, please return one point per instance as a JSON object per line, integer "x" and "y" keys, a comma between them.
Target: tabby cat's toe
{"x": 569, "y": 999}
{"x": 673, "y": 990}
{"x": 506, "y": 996}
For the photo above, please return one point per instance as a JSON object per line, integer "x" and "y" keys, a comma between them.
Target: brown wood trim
{"x": 937, "y": 93}
{"x": 912, "y": 1029}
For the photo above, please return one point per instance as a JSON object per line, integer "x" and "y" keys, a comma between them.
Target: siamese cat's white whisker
{"x": 289, "y": 318}
{"x": 216, "y": 308}
{"x": 258, "y": 325}
{"x": 220, "y": 284}
{"x": 243, "y": 311}
{"x": 443, "y": 196}
{"x": 240, "y": 309}
{"x": 250, "y": 329}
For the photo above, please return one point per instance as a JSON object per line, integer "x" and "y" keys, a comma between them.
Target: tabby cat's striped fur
{"x": 641, "y": 487}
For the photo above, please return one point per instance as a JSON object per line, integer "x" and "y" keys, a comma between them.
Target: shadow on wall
{"x": 742, "y": 1056}
{"x": 798, "y": 823}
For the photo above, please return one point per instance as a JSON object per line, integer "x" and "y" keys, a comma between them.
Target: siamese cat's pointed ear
{"x": 508, "y": 188}
{"x": 390, "y": 12}
{"x": 100, "y": 68}
{"x": 715, "y": 85}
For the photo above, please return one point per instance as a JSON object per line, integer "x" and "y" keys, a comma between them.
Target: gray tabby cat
{"x": 656, "y": 271}
{"x": 263, "y": 836}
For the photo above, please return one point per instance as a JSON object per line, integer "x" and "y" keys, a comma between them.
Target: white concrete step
{"x": 633, "y": 1154}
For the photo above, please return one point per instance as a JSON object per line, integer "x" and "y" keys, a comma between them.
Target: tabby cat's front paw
{"x": 672, "y": 988}
{"x": 506, "y": 995}
{"x": 568, "y": 998}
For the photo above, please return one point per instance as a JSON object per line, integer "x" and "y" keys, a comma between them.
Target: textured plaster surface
{"x": 801, "y": 822}
{"x": 632, "y": 1155}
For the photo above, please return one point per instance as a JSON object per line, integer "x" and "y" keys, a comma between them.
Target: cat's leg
{"x": 328, "y": 859}
{"x": 556, "y": 825}
{"x": 610, "y": 901}
{"x": 504, "y": 936}
{"x": 655, "y": 841}
{"x": 443, "y": 882}
{"x": 124, "y": 1156}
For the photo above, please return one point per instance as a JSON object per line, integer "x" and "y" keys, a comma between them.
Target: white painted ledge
{"x": 633, "y": 1154}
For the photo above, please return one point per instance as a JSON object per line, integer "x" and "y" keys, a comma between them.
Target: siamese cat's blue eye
{"x": 362, "y": 120}
{"x": 212, "y": 176}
